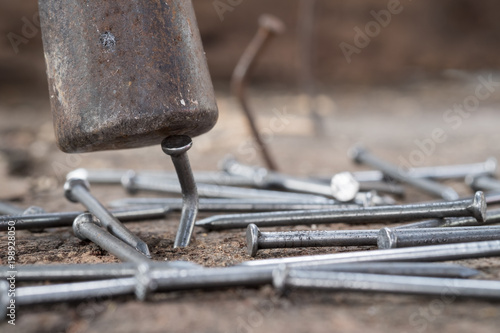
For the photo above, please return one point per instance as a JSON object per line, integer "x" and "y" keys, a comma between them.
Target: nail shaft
{"x": 362, "y": 156}
{"x": 268, "y": 26}
{"x": 392, "y": 238}
{"x": 176, "y": 147}
{"x": 218, "y": 191}
{"x": 334, "y": 281}
{"x": 271, "y": 240}
{"x": 85, "y": 272}
{"x": 492, "y": 217}
{"x": 458, "y": 171}
{"x": 475, "y": 208}
{"x": 234, "y": 205}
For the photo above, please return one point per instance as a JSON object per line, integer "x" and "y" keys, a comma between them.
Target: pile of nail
{"x": 407, "y": 260}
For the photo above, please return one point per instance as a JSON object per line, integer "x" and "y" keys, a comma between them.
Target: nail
{"x": 285, "y": 279}
{"x": 74, "y": 291}
{"x": 149, "y": 277}
{"x": 342, "y": 188}
{"x": 8, "y": 209}
{"x": 77, "y": 190}
{"x": 482, "y": 182}
{"x": 306, "y": 24}
{"x": 115, "y": 176}
{"x": 458, "y": 171}
{"x": 221, "y": 205}
{"x": 135, "y": 183}
{"x": 268, "y": 27}
{"x": 4, "y": 300}
{"x": 65, "y": 219}
{"x": 86, "y": 227}
{"x": 393, "y": 238}
{"x": 176, "y": 147}
{"x": 360, "y": 155}
{"x": 272, "y": 240}
{"x": 84, "y": 272}
{"x": 443, "y": 252}
{"x": 492, "y": 217}
{"x": 475, "y": 207}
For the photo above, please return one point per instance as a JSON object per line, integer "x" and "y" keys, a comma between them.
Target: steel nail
{"x": 134, "y": 183}
{"x": 271, "y": 240}
{"x": 285, "y": 279}
{"x": 264, "y": 178}
{"x": 442, "y": 252}
{"x": 393, "y": 238}
{"x": 268, "y": 27}
{"x": 149, "y": 277}
{"x": 74, "y": 291}
{"x": 475, "y": 207}
{"x": 361, "y": 155}
{"x": 77, "y": 190}
{"x": 65, "y": 219}
{"x": 86, "y": 227}
{"x": 234, "y": 205}
{"x": 402, "y": 268}
{"x": 85, "y": 272}
{"x": 176, "y": 147}
{"x": 458, "y": 171}
{"x": 492, "y": 217}
{"x": 483, "y": 183}
{"x": 8, "y": 209}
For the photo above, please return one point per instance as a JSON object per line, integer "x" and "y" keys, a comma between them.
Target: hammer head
{"x": 125, "y": 74}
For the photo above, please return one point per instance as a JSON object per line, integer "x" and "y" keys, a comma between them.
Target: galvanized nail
{"x": 77, "y": 190}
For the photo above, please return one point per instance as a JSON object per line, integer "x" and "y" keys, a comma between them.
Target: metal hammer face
{"x": 125, "y": 74}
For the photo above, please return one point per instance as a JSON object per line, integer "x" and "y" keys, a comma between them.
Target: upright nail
{"x": 176, "y": 147}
